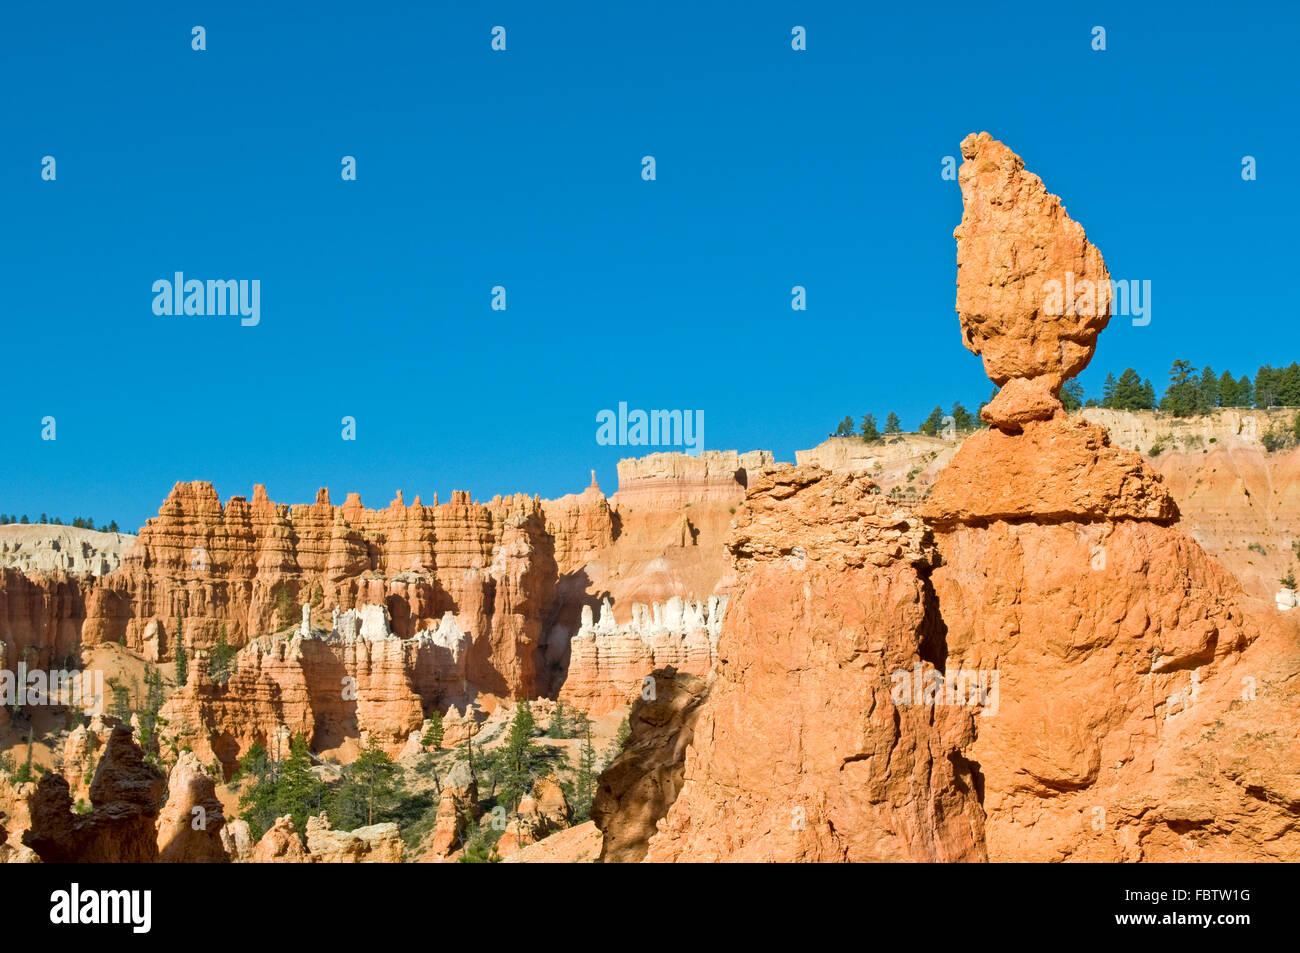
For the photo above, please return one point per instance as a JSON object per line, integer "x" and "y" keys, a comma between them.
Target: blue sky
{"x": 478, "y": 168}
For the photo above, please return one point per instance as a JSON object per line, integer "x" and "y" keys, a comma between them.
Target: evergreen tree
{"x": 869, "y": 432}
{"x": 1245, "y": 392}
{"x": 521, "y": 761}
{"x": 1128, "y": 393}
{"x": 43, "y": 519}
{"x": 1183, "y": 396}
{"x": 370, "y": 792}
{"x": 112, "y": 527}
{"x": 433, "y": 735}
{"x": 1148, "y": 395}
{"x": 893, "y": 424}
{"x": 299, "y": 792}
{"x": 1265, "y": 389}
{"x": 1072, "y": 395}
{"x": 151, "y": 723}
{"x": 557, "y": 728}
{"x": 1108, "y": 391}
{"x": 221, "y": 660}
{"x": 845, "y": 429}
{"x": 1228, "y": 394}
{"x": 1209, "y": 389}
{"x": 962, "y": 418}
{"x": 930, "y": 426}
{"x": 583, "y": 790}
{"x": 182, "y": 666}
{"x": 1287, "y": 385}
{"x": 24, "y": 519}
{"x": 620, "y": 739}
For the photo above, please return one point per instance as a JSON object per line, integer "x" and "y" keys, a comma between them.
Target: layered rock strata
{"x": 609, "y": 662}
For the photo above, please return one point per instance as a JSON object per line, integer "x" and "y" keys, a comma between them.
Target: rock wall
{"x": 1115, "y": 643}
{"x": 359, "y": 679}
{"x": 799, "y": 751}
{"x": 609, "y": 661}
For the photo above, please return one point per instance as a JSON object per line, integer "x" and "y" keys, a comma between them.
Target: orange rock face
{"x": 189, "y": 827}
{"x": 1055, "y": 469}
{"x": 42, "y": 616}
{"x": 1032, "y": 292}
{"x": 244, "y": 569}
{"x": 1118, "y": 647}
{"x": 1046, "y": 670}
{"x": 125, "y": 798}
{"x": 799, "y": 751}
{"x": 639, "y": 786}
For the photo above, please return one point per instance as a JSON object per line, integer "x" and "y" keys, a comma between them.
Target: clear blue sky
{"x": 477, "y": 168}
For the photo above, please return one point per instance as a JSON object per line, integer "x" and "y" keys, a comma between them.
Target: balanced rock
{"x": 1032, "y": 292}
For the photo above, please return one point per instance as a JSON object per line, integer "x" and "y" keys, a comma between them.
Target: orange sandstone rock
{"x": 799, "y": 751}
{"x": 1014, "y": 241}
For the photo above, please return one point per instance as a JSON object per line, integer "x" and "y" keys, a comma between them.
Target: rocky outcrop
{"x": 574, "y": 845}
{"x": 237, "y": 840}
{"x": 608, "y": 662}
{"x": 458, "y": 811}
{"x": 41, "y": 615}
{"x": 1032, "y": 292}
{"x": 800, "y": 751}
{"x": 669, "y": 480}
{"x": 47, "y": 547}
{"x": 280, "y": 845}
{"x": 125, "y": 799}
{"x": 1051, "y": 470}
{"x": 636, "y": 789}
{"x": 359, "y": 679}
{"x": 189, "y": 828}
{"x": 244, "y": 567}
{"x": 541, "y": 812}
{"x": 14, "y": 853}
{"x": 374, "y": 844}
{"x": 1116, "y": 644}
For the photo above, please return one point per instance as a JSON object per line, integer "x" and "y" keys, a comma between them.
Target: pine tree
{"x": 1209, "y": 389}
{"x": 1183, "y": 396}
{"x": 584, "y": 781}
{"x": 869, "y": 432}
{"x": 433, "y": 735}
{"x": 557, "y": 728}
{"x": 1108, "y": 391}
{"x": 298, "y": 791}
{"x": 893, "y": 424}
{"x": 221, "y": 664}
{"x": 182, "y": 666}
{"x": 371, "y": 789}
{"x": 1127, "y": 393}
{"x": 1228, "y": 395}
{"x": 1265, "y": 392}
{"x": 520, "y": 759}
{"x": 1287, "y": 383}
{"x": 845, "y": 429}
{"x": 1072, "y": 395}
{"x": 620, "y": 739}
{"x": 930, "y": 426}
{"x": 151, "y": 722}
{"x": 962, "y": 418}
